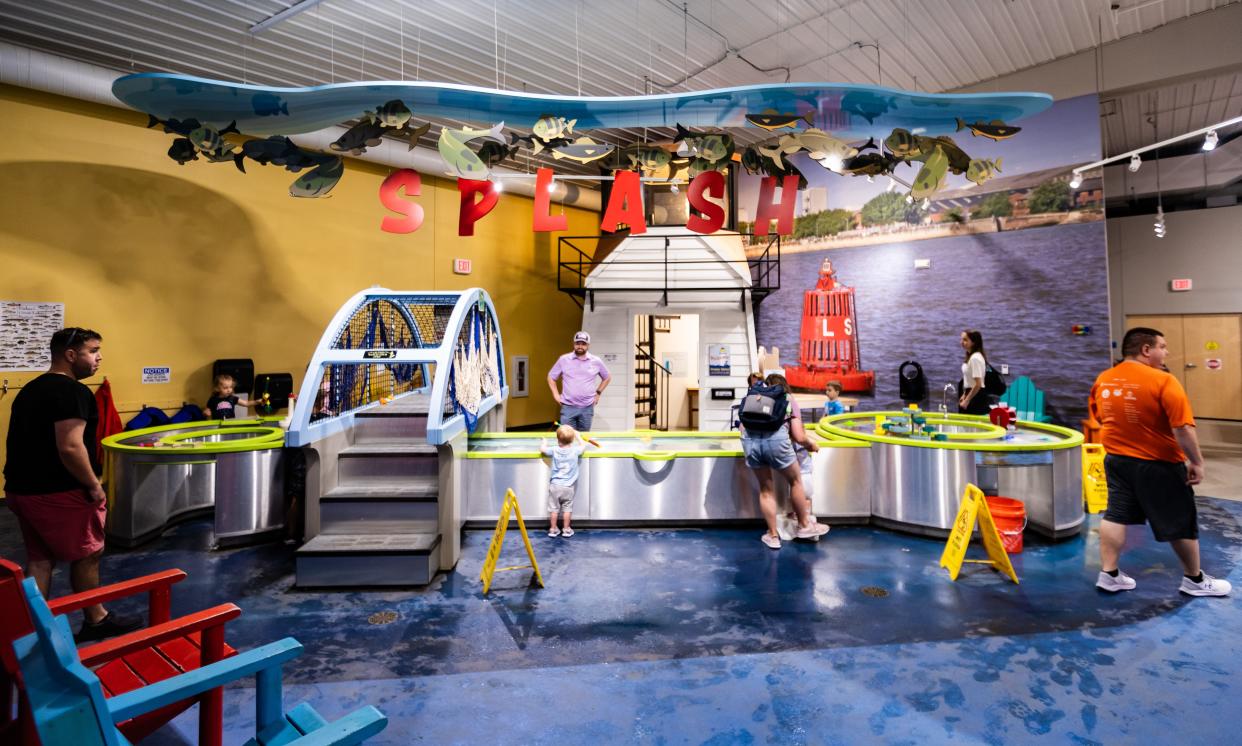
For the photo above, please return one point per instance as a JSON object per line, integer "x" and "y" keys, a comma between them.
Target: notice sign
{"x": 156, "y": 375}
{"x": 718, "y": 360}
{"x": 462, "y": 266}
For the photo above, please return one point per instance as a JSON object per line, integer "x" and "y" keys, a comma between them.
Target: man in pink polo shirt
{"x": 578, "y": 371}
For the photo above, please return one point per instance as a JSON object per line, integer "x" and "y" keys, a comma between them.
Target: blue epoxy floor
{"x": 697, "y": 636}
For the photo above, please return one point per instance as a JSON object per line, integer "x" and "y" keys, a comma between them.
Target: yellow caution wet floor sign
{"x": 498, "y": 539}
{"x": 975, "y": 506}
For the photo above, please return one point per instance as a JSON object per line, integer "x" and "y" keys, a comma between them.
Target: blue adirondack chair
{"x": 69, "y": 705}
{"x": 1027, "y": 400}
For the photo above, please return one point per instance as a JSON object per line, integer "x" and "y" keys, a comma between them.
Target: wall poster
{"x": 25, "y": 331}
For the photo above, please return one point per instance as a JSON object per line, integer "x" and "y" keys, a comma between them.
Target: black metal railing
{"x": 575, "y": 264}
{"x": 657, "y": 384}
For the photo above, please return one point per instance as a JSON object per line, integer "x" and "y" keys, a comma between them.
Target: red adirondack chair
{"x": 167, "y": 647}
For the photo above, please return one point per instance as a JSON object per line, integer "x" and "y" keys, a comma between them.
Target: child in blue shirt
{"x": 833, "y": 405}
{"x": 563, "y": 481}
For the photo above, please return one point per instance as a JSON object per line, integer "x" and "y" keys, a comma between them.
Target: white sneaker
{"x": 1120, "y": 583}
{"x": 554, "y": 531}
{"x": 1209, "y": 587}
{"x": 773, "y": 542}
{"x": 567, "y": 532}
{"x": 813, "y": 530}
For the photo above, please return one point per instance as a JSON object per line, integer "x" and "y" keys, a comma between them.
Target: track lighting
{"x": 1135, "y": 163}
{"x": 1159, "y": 224}
{"x": 552, "y": 187}
{"x": 1076, "y": 180}
{"x": 1209, "y": 142}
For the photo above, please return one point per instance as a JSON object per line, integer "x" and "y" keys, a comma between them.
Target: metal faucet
{"x": 949, "y": 390}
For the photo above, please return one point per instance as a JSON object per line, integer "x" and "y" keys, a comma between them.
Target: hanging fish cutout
{"x": 774, "y": 120}
{"x": 583, "y": 150}
{"x": 356, "y": 140}
{"x": 281, "y": 151}
{"x": 493, "y": 153}
{"x": 931, "y": 176}
{"x": 981, "y": 170}
{"x": 319, "y": 181}
{"x": 460, "y": 159}
{"x": 549, "y": 128}
{"x": 647, "y": 158}
{"x": 417, "y": 133}
{"x": 904, "y": 144}
{"x": 392, "y": 114}
{"x": 870, "y": 164}
{"x": 994, "y": 130}
{"x": 183, "y": 151}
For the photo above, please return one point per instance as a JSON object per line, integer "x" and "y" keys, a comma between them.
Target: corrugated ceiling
{"x": 625, "y": 47}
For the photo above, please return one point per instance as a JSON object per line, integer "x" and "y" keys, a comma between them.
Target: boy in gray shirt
{"x": 563, "y": 481}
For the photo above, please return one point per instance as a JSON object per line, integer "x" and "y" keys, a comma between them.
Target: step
{"x": 399, "y": 506}
{"x": 368, "y": 560}
{"x": 374, "y": 425}
{"x": 364, "y": 463}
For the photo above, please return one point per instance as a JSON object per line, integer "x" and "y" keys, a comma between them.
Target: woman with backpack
{"x": 768, "y": 422}
{"x": 974, "y": 399}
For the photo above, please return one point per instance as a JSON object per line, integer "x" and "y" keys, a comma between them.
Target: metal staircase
{"x": 395, "y": 384}
{"x": 379, "y": 523}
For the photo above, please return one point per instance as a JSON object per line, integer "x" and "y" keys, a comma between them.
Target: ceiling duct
{"x": 28, "y": 68}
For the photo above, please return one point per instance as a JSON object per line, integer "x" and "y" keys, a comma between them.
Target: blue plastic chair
{"x": 69, "y": 705}
{"x": 1027, "y": 400}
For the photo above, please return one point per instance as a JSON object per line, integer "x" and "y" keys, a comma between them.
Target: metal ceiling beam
{"x": 284, "y": 15}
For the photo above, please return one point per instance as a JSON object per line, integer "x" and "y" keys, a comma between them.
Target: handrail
{"x": 444, "y": 416}
{"x": 666, "y": 373}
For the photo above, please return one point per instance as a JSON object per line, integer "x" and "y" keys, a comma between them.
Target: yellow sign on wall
{"x": 498, "y": 539}
{"x": 975, "y": 506}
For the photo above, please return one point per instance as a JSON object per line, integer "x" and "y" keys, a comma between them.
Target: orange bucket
{"x": 1009, "y": 515}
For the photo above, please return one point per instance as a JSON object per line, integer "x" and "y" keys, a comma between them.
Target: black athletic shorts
{"x": 1155, "y": 492}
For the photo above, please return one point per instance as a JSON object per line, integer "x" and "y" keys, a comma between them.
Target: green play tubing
{"x": 827, "y": 426}
{"x": 266, "y": 437}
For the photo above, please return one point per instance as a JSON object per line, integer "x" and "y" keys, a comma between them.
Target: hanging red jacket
{"x": 109, "y": 418}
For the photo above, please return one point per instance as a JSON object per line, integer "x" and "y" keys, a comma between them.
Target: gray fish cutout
{"x": 583, "y": 150}
{"x": 318, "y": 181}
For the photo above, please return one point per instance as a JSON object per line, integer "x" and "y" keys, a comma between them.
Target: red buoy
{"x": 828, "y": 349}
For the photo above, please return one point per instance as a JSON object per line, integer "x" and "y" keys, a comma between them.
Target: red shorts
{"x": 66, "y": 526}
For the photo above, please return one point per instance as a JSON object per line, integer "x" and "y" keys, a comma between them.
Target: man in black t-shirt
{"x": 51, "y": 475}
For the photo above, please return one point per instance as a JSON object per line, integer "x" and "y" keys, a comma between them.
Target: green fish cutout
{"x": 904, "y": 144}
{"x": 981, "y": 170}
{"x": 647, "y": 158}
{"x": 931, "y": 176}
{"x": 550, "y": 127}
{"x": 318, "y": 181}
{"x": 958, "y": 160}
{"x": 994, "y": 130}
{"x": 394, "y": 114}
{"x": 774, "y": 120}
{"x": 461, "y": 160}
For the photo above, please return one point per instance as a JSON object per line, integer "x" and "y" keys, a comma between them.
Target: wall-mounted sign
{"x": 1212, "y": 363}
{"x": 718, "y": 360}
{"x": 156, "y": 375}
{"x": 610, "y": 358}
{"x": 379, "y": 354}
{"x": 462, "y": 266}
{"x": 726, "y": 394}
{"x": 25, "y": 330}
{"x": 1180, "y": 286}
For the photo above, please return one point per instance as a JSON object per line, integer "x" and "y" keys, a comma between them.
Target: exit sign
{"x": 1180, "y": 286}
{"x": 463, "y": 266}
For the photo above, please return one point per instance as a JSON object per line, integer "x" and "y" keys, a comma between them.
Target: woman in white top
{"x": 974, "y": 399}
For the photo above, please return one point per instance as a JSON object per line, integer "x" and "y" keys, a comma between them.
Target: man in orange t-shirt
{"x": 1152, "y": 462}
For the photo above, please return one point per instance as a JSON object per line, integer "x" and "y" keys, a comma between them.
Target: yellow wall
{"x": 180, "y": 265}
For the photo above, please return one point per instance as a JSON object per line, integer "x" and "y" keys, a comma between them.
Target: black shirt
{"x": 33, "y": 465}
{"x": 221, "y": 407}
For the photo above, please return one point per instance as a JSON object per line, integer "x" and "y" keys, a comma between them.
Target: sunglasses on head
{"x": 72, "y": 336}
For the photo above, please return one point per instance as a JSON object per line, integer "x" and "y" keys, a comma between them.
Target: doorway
{"x": 666, "y": 375}
{"x": 1205, "y": 353}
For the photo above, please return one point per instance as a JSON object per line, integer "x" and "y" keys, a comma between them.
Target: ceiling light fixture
{"x": 1159, "y": 224}
{"x": 1209, "y": 142}
{"x": 1206, "y": 131}
{"x": 1076, "y": 180}
{"x": 1135, "y": 163}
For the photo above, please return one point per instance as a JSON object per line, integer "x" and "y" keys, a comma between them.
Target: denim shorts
{"x": 769, "y": 449}
{"x": 579, "y": 418}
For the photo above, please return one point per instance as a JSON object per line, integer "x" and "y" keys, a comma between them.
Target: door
{"x": 1205, "y": 353}
{"x": 1213, "y": 365}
